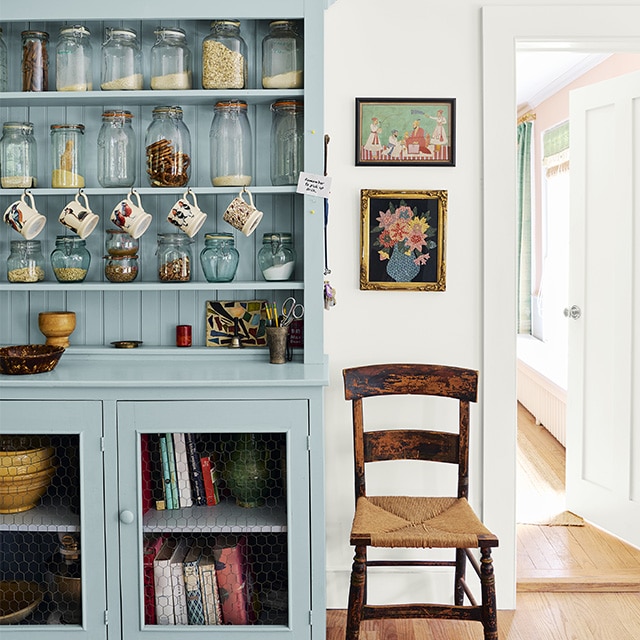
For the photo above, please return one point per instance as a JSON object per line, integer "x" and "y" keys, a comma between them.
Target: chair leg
{"x": 461, "y": 566}
{"x": 357, "y": 593}
{"x": 488, "y": 584}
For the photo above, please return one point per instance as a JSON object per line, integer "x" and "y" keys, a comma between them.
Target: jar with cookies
{"x": 168, "y": 148}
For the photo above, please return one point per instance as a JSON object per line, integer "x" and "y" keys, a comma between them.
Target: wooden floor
{"x": 574, "y": 583}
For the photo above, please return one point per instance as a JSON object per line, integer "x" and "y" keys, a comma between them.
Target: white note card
{"x": 312, "y": 184}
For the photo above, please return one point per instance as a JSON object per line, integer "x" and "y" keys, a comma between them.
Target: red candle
{"x": 183, "y": 335}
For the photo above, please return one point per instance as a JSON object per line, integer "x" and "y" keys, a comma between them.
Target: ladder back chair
{"x": 417, "y": 522}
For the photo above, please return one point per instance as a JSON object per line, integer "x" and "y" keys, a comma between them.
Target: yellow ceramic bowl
{"x": 7, "y": 470}
{"x": 22, "y": 493}
{"x": 18, "y": 598}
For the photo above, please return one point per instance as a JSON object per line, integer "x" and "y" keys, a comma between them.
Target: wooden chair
{"x": 417, "y": 522}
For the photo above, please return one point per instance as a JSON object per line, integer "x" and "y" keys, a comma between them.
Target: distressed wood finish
{"x": 414, "y": 444}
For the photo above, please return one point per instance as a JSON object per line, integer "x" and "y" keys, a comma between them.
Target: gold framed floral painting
{"x": 402, "y": 240}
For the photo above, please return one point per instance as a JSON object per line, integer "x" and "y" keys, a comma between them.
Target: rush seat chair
{"x": 417, "y": 522}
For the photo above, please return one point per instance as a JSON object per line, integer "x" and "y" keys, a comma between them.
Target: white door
{"x": 603, "y": 417}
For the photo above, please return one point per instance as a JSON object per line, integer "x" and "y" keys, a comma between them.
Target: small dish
{"x": 126, "y": 344}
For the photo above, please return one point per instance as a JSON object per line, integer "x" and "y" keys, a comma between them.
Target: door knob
{"x": 126, "y": 517}
{"x": 573, "y": 312}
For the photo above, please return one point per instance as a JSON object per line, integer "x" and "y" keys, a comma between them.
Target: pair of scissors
{"x": 291, "y": 310}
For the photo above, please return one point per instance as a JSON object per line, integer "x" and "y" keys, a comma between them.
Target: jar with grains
{"x": 35, "y": 61}
{"x": 282, "y": 57}
{"x": 119, "y": 242}
{"x": 116, "y": 150}
{"x": 170, "y": 60}
{"x": 224, "y": 57}
{"x": 174, "y": 257}
{"x": 277, "y": 257}
{"x": 18, "y": 156}
{"x": 121, "y": 268}
{"x": 25, "y": 262}
{"x": 74, "y": 70}
{"x": 219, "y": 258}
{"x": 67, "y": 156}
{"x": 121, "y": 65}
{"x": 168, "y": 148}
{"x": 287, "y": 141}
{"x": 70, "y": 259}
{"x": 3, "y": 64}
{"x": 230, "y": 145}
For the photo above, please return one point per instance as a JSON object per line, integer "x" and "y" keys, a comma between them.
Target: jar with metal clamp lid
{"x": 121, "y": 68}
{"x": 282, "y": 57}
{"x": 287, "y": 142}
{"x": 170, "y": 60}
{"x": 224, "y": 57}
{"x": 174, "y": 257}
{"x": 25, "y": 262}
{"x": 67, "y": 156}
{"x": 230, "y": 145}
{"x": 70, "y": 259}
{"x": 74, "y": 71}
{"x": 277, "y": 257}
{"x": 18, "y": 156}
{"x": 168, "y": 148}
{"x": 219, "y": 258}
{"x": 116, "y": 150}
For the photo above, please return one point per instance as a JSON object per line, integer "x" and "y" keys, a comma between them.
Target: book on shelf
{"x": 182, "y": 470}
{"x": 178, "y": 589}
{"x": 152, "y": 545}
{"x": 163, "y": 584}
{"x": 145, "y": 473}
{"x": 195, "y": 609}
{"x": 166, "y": 473}
{"x": 209, "y": 590}
{"x": 195, "y": 470}
{"x": 209, "y": 477}
{"x": 172, "y": 472}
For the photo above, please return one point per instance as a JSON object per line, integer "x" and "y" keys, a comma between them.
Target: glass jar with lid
{"x": 116, "y": 150}
{"x": 277, "y": 257}
{"x": 18, "y": 156}
{"x": 121, "y": 268}
{"x": 74, "y": 71}
{"x": 119, "y": 242}
{"x": 70, "y": 259}
{"x": 25, "y": 262}
{"x": 219, "y": 258}
{"x": 35, "y": 60}
{"x": 121, "y": 68}
{"x": 287, "y": 141}
{"x": 230, "y": 145}
{"x": 282, "y": 57}
{"x": 67, "y": 156}
{"x": 174, "y": 257}
{"x": 168, "y": 148}
{"x": 3, "y": 64}
{"x": 224, "y": 57}
{"x": 170, "y": 60}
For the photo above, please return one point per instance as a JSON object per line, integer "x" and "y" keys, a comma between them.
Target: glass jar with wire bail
{"x": 67, "y": 156}
{"x": 168, "y": 148}
{"x": 219, "y": 258}
{"x": 35, "y": 60}
{"x": 70, "y": 259}
{"x": 170, "y": 60}
{"x": 287, "y": 141}
{"x": 121, "y": 64}
{"x": 174, "y": 257}
{"x": 74, "y": 70}
{"x": 277, "y": 257}
{"x": 282, "y": 57}
{"x": 116, "y": 150}
{"x": 230, "y": 145}
{"x": 224, "y": 57}
{"x": 25, "y": 262}
{"x": 18, "y": 156}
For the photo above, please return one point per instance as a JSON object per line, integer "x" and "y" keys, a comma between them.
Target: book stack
{"x": 197, "y": 584}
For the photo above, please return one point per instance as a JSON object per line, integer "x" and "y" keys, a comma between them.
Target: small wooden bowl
{"x": 29, "y": 358}
{"x": 57, "y": 326}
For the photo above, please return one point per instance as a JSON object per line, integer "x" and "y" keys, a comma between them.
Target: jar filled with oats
{"x": 282, "y": 56}
{"x": 121, "y": 61}
{"x": 168, "y": 148}
{"x": 25, "y": 262}
{"x": 230, "y": 145}
{"x": 70, "y": 259}
{"x": 170, "y": 60}
{"x": 224, "y": 57}
{"x": 35, "y": 60}
{"x": 67, "y": 156}
{"x": 18, "y": 156}
{"x": 74, "y": 70}
{"x": 174, "y": 257}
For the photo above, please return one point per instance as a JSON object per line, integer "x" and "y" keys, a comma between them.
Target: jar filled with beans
{"x": 174, "y": 257}
{"x": 121, "y": 268}
{"x": 25, "y": 262}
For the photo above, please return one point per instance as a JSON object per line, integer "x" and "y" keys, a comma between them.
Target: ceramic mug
{"x": 131, "y": 217}
{"x": 243, "y": 215}
{"x": 24, "y": 217}
{"x": 78, "y": 216}
{"x": 187, "y": 216}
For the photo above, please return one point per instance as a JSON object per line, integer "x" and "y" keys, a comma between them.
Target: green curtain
{"x": 523, "y": 239}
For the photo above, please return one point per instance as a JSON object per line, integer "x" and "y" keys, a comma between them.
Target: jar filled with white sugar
{"x": 170, "y": 60}
{"x": 277, "y": 257}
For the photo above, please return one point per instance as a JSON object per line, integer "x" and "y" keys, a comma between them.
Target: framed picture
{"x": 394, "y": 132}
{"x": 245, "y": 320}
{"x": 402, "y": 242}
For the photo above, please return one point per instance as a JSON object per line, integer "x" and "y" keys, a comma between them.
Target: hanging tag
{"x": 329, "y": 296}
{"x": 312, "y": 184}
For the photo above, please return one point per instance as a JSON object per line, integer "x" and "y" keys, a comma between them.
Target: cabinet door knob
{"x": 126, "y": 517}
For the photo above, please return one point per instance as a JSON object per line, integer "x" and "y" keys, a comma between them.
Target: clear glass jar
{"x": 70, "y": 259}
{"x": 224, "y": 57}
{"x": 121, "y": 68}
{"x": 18, "y": 156}
{"x": 74, "y": 71}
{"x": 3, "y": 64}
{"x": 170, "y": 60}
{"x": 119, "y": 242}
{"x": 168, "y": 148}
{"x": 25, "y": 262}
{"x": 174, "y": 257}
{"x": 230, "y": 145}
{"x": 277, "y": 257}
{"x": 67, "y": 156}
{"x": 282, "y": 57}
{"x": 116, "y": 150}
{"x": 287, "y": 141}
{"x": 121, "y": 268}
{"x": 219, "y": 258}
{"x": 35, "y": 61}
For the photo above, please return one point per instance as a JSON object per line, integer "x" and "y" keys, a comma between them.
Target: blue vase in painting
{"x": 401, "y": 266}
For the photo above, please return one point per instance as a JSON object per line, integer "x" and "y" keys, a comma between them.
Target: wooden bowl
{"x": 18, "y": 598}
{"x": 57, "y": 326}
{"x": 29, "y": 358}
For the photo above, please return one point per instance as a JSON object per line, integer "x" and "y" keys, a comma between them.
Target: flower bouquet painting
{"x": 403, "y": 240}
